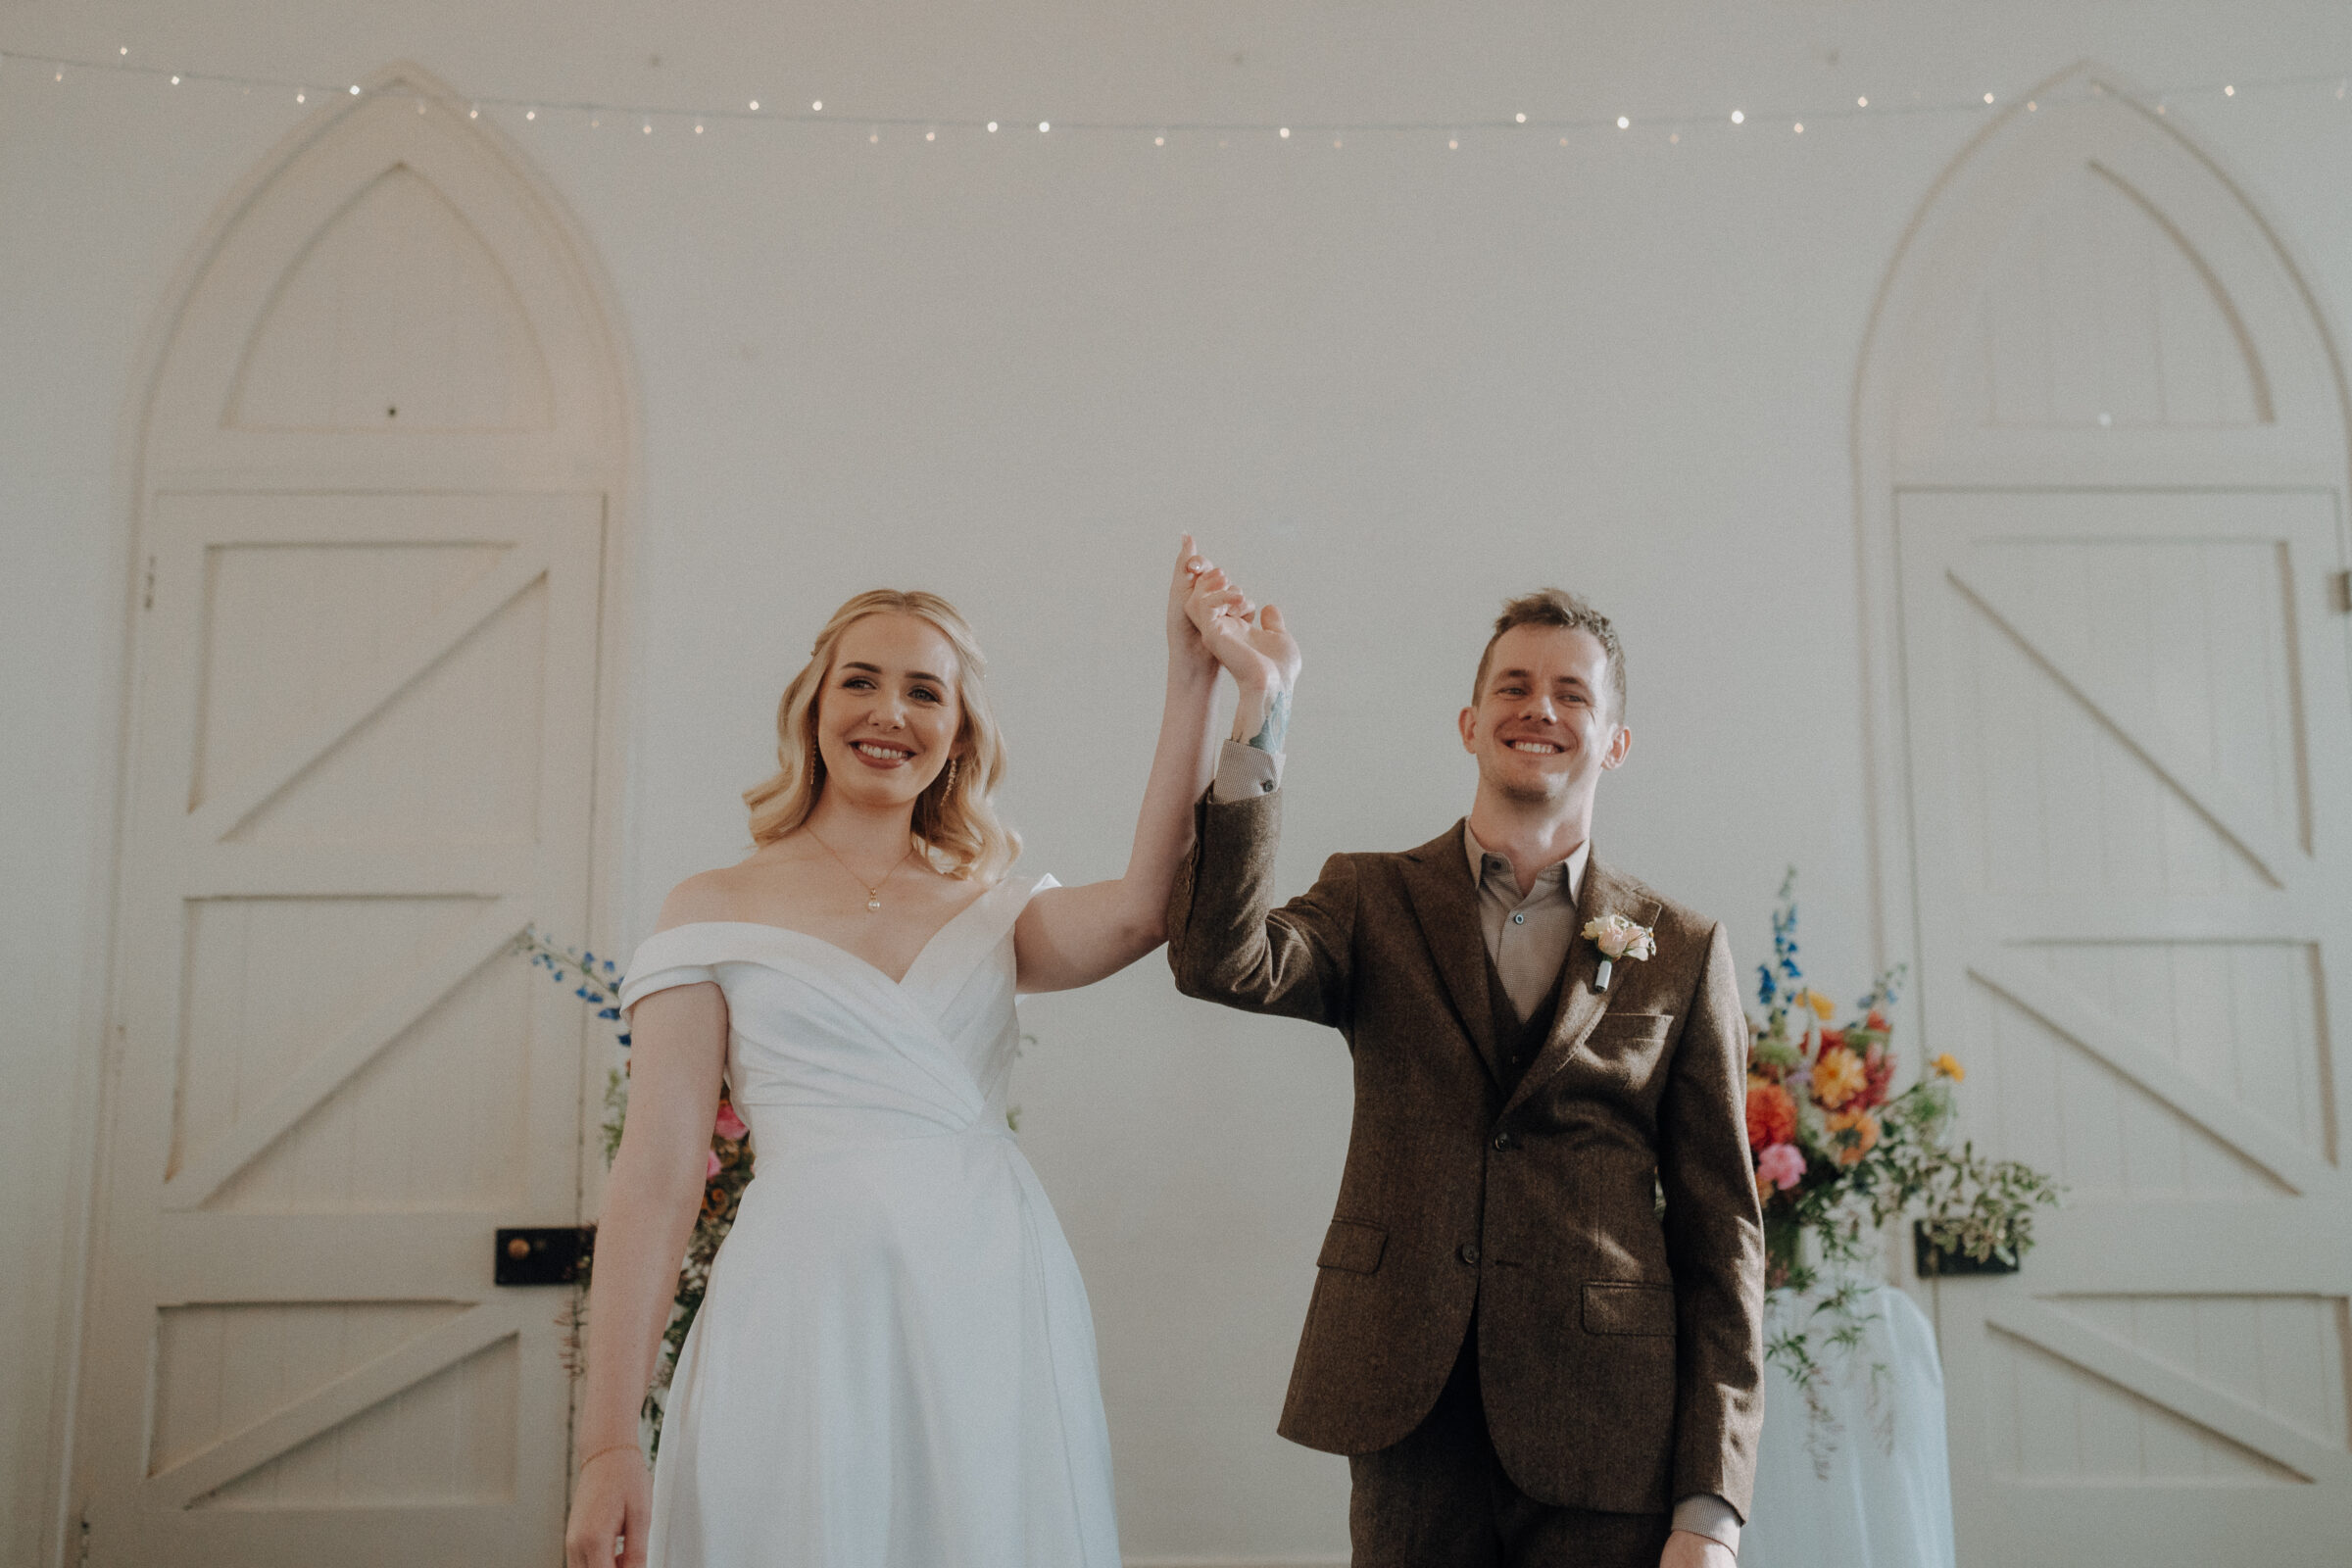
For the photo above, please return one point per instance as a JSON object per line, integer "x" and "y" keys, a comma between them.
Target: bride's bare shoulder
{"x": 720, "y": 893}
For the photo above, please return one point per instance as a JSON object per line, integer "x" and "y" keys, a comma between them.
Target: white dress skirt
{"x": 894, "y": 1366}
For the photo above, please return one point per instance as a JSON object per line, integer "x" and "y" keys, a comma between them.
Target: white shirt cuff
{"x": 1245, "y": 771}
{"x": 1705, "y": 1514}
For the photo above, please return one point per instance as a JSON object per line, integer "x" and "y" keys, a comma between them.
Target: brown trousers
{"x": 1440, "y": 1499}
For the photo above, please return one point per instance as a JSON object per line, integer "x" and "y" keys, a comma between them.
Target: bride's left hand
{"x": 1199, "y": 588}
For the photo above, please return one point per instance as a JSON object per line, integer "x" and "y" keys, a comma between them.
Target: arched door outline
{"x": 1938, "y": 475}
{"x": 536, "y": 479}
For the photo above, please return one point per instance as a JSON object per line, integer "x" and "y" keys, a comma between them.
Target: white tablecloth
{"x": 1887, "y": 1501}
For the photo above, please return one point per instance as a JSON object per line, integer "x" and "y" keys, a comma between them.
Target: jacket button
{"x": 1469, "y": 1253}
{"x": 1503, "y": 1140}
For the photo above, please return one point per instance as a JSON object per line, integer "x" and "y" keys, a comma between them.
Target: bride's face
{"x": 887, "y": 719}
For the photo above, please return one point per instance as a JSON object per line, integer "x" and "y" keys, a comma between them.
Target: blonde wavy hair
{"x": 955, "y": 824}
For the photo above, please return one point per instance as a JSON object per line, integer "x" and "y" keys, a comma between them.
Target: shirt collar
{"x": 1569, "y": 873}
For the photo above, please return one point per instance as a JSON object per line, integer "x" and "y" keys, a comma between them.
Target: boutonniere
{"x": 1618, "y": 938}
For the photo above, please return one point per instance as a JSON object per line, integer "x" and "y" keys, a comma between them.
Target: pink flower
{"x": 711, "y": 1170}
{"x": 1782, "y": 1165}
{"x": 730, "y": 1125}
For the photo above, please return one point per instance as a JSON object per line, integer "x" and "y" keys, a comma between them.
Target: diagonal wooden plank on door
{"x": 391, "y": 675}
{"x": 332, "y": 1403}
{"x": 2222, "y": 802}
{"x": 2127, "y": 1366}
{"x": 2087, "y": 1025}
{"x": 211, "y": 1167}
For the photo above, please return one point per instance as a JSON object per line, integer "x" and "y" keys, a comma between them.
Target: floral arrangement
{"x": 1839, "y": 1154}
{"x": 728, "y": 1171}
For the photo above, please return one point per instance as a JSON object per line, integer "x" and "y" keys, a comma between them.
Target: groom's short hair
{"x": 1555, "y": 606}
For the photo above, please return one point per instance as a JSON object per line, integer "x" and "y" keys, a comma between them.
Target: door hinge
{"x": 147, "y": 598}
{"x": 2340, "y": 593}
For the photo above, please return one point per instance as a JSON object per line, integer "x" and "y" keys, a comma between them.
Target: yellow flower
{"x": 1823, "y": 1007}
{"x": 1864, "y": 1128}
{"x": 1948, "y": 1066}
{"x": 1837, "y": 1077}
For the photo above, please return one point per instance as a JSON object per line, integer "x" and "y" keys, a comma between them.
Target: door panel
{"x": 362, "y": 763}
{"x": 2130, "y": 765}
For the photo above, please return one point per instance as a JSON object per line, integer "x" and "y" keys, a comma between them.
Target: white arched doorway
{"x": 379, "y": 485}
{"x": 2101, "y": 455}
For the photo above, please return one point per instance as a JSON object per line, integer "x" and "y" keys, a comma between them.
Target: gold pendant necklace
{"x": 873, "y": 894}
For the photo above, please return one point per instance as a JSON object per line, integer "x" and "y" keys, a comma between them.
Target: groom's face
{"x": 1541, "y": 729}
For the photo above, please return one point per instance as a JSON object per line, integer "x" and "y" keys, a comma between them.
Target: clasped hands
{"x": 1251, "y": 643}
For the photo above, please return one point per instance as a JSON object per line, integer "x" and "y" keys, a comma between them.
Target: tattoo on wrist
{"x": 1277, "y": 727}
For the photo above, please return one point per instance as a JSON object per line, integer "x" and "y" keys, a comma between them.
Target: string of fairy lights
{"x": 648, "y": 117}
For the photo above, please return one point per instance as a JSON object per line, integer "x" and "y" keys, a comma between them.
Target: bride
{"x": 894, "y": 1361}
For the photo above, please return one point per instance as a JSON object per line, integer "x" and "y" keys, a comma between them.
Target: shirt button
{"x": 1518, "y": 920}
{"x": 1469, "y": 1253}
{"x": 1503, "y": 1140}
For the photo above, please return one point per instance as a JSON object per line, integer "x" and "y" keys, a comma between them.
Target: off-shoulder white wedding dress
{"x": 894, "y": 1365}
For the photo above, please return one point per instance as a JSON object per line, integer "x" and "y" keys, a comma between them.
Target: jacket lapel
{"x": 1580, "y": 1005}
{"x": 1437, "y": 878}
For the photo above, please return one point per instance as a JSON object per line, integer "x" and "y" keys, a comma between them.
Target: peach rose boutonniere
{"x": 1618, "y": 938}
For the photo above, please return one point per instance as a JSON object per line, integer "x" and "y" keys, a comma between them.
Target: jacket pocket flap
{"x": 1633, "y": 1026}
{"x": 1353, "y": 1247}
{"x": 1611, "y": 1309}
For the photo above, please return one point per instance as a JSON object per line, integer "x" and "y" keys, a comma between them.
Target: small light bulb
{"x": 1624, "y": 124}
{"x": 930, "y": 135}
{"x": 755, "y": 106}
{"x": 1989, "y": 97}
{"x": 649, "y": 127}
{"x": 61, "y": 75}
{"x": 1335, "y": 143}
{"x": 2229, "y": 91}
{"x": 1044, "y": 125}
{"x": 1156, "y": 141}
{"x": 476, "y": 112}
{"x": 594, "y": 123}
{"x": 1453, "y": 146}
{"x": 355, "y": 89}
{"x": 126, "y": 49}
{"x": 992, "y": 127}
{"x": 1739, "y": 119}
{"x": 1800, "y": 128}
{"x": 2031, "y": 107}
{"x": 530, "y": 113}
{"x": 175, "y": 81}
{"x": 1861, "y": 103}
{"x": 1674, "y": 138}
{"x": 297, "y": 96}
{"x": 1522, "y": 119}
{"x": 873, "y": 135}
{"x": 1286, "y": 134}
{"x": 698, "y": 130}
{"x": 817, "y": 108}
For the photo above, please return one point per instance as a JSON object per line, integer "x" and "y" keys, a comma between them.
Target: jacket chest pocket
{"x": 1629, "y": 1038}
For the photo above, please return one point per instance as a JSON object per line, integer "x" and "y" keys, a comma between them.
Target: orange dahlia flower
{"x": 1771, "y": 1114}
{"x": 1838, "y": 1076}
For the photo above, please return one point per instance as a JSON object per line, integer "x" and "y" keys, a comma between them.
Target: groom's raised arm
{"x": 1225, "y": 942}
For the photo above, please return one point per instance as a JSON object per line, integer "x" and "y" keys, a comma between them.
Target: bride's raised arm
{"x": 1074, "y": 936}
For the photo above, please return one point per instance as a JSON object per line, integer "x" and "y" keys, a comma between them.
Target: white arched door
{"x": 2102, "y": 444}
{"x": 378, "y": 477}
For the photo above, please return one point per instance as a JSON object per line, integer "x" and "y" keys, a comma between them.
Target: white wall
{"x": 1388, "y": 383}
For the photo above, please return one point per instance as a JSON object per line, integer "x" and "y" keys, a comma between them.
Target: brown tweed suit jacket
{"x": 1619, "y": 1343}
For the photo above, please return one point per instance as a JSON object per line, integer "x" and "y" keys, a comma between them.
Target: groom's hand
{"x": 1687, "y": 1548}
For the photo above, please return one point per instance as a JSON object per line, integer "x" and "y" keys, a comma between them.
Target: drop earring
{"x": 950, "y": 773}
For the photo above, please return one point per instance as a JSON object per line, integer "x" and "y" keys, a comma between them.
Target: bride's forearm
{"x": 1075, "y": 936}
{"x": 642, "y": 1236}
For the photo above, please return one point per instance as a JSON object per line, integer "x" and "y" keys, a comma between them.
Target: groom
{"x": 1535, "y": 1330}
